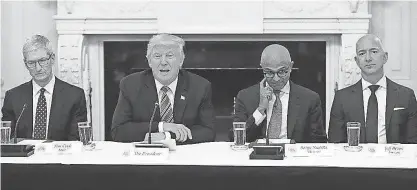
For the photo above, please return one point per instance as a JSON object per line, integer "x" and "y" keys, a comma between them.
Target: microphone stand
{"x": 17, "y": 124}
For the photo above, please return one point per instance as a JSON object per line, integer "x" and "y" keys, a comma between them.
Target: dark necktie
{"x": 372, "y": 117}
{"x": 40, "y": 119}
{"x": 276, "y": 118}
{"x": 166, "y": 108}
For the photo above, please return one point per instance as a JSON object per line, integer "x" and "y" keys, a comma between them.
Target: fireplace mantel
{"x": 78, "y": 21}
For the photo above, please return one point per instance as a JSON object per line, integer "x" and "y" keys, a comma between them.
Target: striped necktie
{"x": 166, "y": 108}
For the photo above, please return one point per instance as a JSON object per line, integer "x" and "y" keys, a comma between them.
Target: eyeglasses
{"x": 42, "y": 62}
{"x": 281, "y": 73}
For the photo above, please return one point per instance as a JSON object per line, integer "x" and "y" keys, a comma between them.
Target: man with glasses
{"x": 50, "y": 108}
{"x": 278, "y": 107}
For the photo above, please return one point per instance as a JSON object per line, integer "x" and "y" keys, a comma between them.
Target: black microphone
{"x": 17, "y": 123}
{"x": 150, "y": 123}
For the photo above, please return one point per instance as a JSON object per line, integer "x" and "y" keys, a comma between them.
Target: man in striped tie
{"x": 185, "y": 110}
{"x": 278, "y": 107}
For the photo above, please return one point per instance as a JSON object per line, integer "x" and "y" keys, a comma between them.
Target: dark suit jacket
{"x": 137, "y": 99}
{"x": 68, "y": 107}
{"x": 400, "y": 125}
{"x": 304, "y": 119}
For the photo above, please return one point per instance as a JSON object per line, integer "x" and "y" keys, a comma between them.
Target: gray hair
{"x": 37, "y": 42}
{"x": 165, "y": 39}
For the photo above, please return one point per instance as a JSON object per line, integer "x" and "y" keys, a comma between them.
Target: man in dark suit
{"x": 386, "y": 110}
{"x": 278, "y": 107}
{"x": 52, "y": 107}
{"x": 185, "y": 110}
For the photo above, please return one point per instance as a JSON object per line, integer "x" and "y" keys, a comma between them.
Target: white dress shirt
{"x": 49, "y": 90}
{"x": 381, "y": 96}
{"x": 171, "y": 95}
{"x": 284, "y": 97}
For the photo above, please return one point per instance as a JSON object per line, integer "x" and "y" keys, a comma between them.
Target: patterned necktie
{"x": 166, "y": 108}
{"x": 40, "y": 119}
{"x": 372, "y": 117}
{"x": 276, "y": 118}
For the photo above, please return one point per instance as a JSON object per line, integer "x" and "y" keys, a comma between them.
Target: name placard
{"x": 147, "y": 154}
{"x": 396, "y": 150}
{"x": 309, "y": 150}
{"x": 59, "y": 148}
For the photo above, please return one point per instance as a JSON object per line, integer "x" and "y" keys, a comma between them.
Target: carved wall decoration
{"x": 317, "y": 8}
{"x": 69, "y": 58}
{"x": 106, "y": 8}
{"x": 350, "y": 72}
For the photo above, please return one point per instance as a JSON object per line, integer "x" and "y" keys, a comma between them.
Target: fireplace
{"x": 229, "y": 65}
{"x": 325, "y": 30}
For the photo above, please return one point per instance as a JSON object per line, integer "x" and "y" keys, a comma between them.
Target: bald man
{"x": 386, "y": 110}
{"x": 278, "y": 107}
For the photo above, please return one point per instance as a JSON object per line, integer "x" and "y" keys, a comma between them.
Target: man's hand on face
{"x": 181, "y": 132}
{"x": 265, "y": 96}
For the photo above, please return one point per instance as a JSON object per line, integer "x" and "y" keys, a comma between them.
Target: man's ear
{"x": 356, "y": 60}
{"x": 385, "y": 57}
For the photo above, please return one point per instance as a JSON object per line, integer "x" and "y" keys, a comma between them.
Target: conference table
{"x": 207, "y": 166}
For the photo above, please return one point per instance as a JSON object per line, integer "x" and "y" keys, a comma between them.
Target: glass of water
{"x": 239, "y": 135}
{"x": 6, "y": 128}
{"x": 85, "y": 131}
{"x": 353, "y": 133}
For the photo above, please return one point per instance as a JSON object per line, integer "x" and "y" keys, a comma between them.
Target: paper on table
{"x": 31, "y": 142}
{"x": 277, "y": 141}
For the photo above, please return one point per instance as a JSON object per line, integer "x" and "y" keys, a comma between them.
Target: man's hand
{"x": 182, "y": 133}
{"x": 155, "y": 137}
{"x": 265, "y": 95}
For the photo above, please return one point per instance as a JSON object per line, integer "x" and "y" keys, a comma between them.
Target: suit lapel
{"x": 150, "y": 95}
{"x": 357, "y": 108}
{"x": 293, "y": 107}
{"x": 392, "y": 97}
{"x": 26, "y": 121}
{"x": 58, "y": 99}
{"x": 180, "y": 100}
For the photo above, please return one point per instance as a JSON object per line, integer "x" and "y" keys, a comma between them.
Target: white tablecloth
{"x": 215, "y": 154}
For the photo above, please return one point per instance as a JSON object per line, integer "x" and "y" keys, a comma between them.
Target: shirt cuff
{"x": 258, "y": 116}
{"x": 161, "y": 127}
{"x": 167, "y": 136}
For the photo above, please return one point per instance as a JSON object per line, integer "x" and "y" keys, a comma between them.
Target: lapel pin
{"x": 182, "y": 97}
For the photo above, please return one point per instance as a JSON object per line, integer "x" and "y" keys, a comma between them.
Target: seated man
{"x": 52, "y": 107}
{"x": 386, "y": 110}
{"x": 287, "y": 110}
{"x": 185, "y": 110}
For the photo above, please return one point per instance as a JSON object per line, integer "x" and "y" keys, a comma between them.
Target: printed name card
{"x": 309, "y": 150}
{"x": 396, "y": 150}
{"x": 59, "y": 148}
{"x": 147, "y": 154}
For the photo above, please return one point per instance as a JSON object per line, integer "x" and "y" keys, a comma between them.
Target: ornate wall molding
{"x": 69, "y": 58}
{"x": 350, "y": 72}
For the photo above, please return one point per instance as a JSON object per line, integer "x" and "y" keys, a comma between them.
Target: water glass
{"x": 239, "y": 134}
{"x": 6, "y": 128}
{"x": 85, "y": 131}
{"x": 353, "y": 133}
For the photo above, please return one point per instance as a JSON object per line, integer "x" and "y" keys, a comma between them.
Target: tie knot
{"x": 373, "y": 88}
{"x": 276, "y": 92}
{"x": 165, "y": 89}
{"x": 42, "y": 90}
